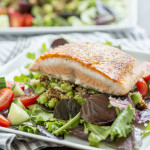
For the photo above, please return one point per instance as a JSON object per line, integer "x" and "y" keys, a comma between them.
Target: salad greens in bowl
{"x": 36, "y": 13}
{"x": 40, "y": 104}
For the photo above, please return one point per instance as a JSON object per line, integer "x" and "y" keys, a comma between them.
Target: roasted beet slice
{"x": 58, "y": 42}
{"x": 95, "y": 110}
{"x": 79, "y": 132}
{"x": 65, "y": 108}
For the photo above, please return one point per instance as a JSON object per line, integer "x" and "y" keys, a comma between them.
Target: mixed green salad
{"x": 27, "y": 13}
{"x": 41, "y": 104}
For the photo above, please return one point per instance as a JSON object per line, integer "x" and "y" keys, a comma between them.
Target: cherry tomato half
{"x": 4, "y": 122}
{"x": 28, "y": 20}
{"x": 142, "y": 87}
{"x": 146, "y": 67}
{"x": 10, "y": 84}
{"x": 16, "y": 19}
{"x": 28, "y": 99}
{"x": 3, "y": 11}
{"x": 6, "y": 97}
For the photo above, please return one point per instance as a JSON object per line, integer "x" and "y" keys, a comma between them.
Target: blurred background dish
{"x": 66, "y": 15}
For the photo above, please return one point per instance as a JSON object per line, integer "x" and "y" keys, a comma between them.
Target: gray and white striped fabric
{"x": 136, "y": 39}
{"x": 9, "y": 141}
{"x": 11, "y": 46}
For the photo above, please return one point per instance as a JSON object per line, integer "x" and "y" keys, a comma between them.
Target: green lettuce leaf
{"x": 23, "y": 77}
{"x": 70, "y": 124}
{"x": 59, "y": 127}
{"x": 40, "y": 89}
{"x": 39, "y": 116}
{"x": 28, "y": 127}
{"x": 111, "y": 44}
{"x": 98, "y": 133}
{"x": 27, "y": 66}
{"x": 146, "y": 132}
{"x": 44, "y": 48}
{"x": 30, "y": 55}
{"x": 52, "y": 126}
{"x": 122, "y": 125}
{"x": 36, "y": 76}
{"x": 108, "y": 43}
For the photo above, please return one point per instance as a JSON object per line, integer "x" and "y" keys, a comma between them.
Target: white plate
{"x": 16, "y": 66}
{"x": 128, "y": 22}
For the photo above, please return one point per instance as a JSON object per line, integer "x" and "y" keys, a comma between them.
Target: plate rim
{"x": 47, "y": 139}
{"x": 43, "y": 138}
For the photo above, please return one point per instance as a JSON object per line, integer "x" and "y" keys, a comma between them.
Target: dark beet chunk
{"x": 79, "y": 132}
{"x": 24, "y": 6}
{"x": 95, "y": 110}
{"x": 66, "y": 107}
{"x": 4, "y": 112}
{"x": 58, "y": 42}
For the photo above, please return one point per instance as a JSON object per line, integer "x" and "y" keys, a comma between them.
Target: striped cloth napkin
{"x": 136, "y": 39}
{"x": 11, "y": 46}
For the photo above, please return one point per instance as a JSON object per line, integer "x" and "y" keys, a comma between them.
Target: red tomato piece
{"x": 10, "y": 11}
{"x": 28, "y": 20}
{"x": 3, "y": 11}
{"x": 6, "y": 98}
{"x": 142, "y": 87}
{"x": 11, "y": 83}
{"x": 28, "y": 99}
{"x": 4, "y": 122}
{"x": 146, "y": 66}
{"x": 16, "y": 19}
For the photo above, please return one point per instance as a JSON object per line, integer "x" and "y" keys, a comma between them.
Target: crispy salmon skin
{"x": 101, "y": 67}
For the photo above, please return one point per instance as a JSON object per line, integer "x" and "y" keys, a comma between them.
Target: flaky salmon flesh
{"x": 97, "y": 66}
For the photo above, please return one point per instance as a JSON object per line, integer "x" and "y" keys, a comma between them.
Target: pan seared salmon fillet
{"x": 101, "y": 67}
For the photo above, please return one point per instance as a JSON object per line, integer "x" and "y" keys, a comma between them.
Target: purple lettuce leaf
{"x": 121, "y": 104}
{"x": 131, "y": 142}
{"x": 79, "y": 132}
{"x": 65, "y": 108}
{"x": 141, "y": 116}
{"x": 44, "y": 132}
{"x": 96, "y": 111}
{"x": 4, "y": 112}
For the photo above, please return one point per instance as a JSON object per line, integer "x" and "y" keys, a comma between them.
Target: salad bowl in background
{"x": 128, "y": 20}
